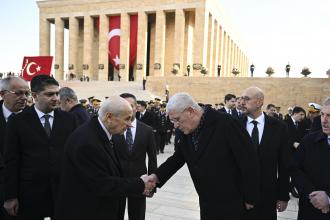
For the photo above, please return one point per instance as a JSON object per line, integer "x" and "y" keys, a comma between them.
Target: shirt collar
{"x": 6, "y": 112}
{"x": 133, "y": 123}
{"x": 41, "y": 114}
{"x": 144, "y": 111}
{"x": 260, "y": 119}
{"x": 104, "y": 129}
{"x": 293, "y": 120}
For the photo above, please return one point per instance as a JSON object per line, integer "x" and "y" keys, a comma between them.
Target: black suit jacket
{"x": 224, "y": 169}
{"x": 2, "y": 136}
{"x": 80, "y": 113}
{"x": 310, "y": 171}
{"x": 148, "y": 118}
{"x": 33, "y": 160}
{"x": 92, "y": 186}
{"x": 233, "y": 112}
{"x": 134, "y": 163}
{"x": 273, "y": 153}
{"x": 295, "y": 134}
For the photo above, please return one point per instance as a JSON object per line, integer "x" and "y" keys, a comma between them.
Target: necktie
{"x": 296, "y": 125}
{"x": 129, "y": 139}
{"x": 47, "y": 125}
{"x": 329, "y": 140}
{"x": 255, "y": 133}
{"x": 229, "y": 111}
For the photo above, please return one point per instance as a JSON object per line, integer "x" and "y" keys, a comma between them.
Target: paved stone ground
{"x": 177, "y": 199}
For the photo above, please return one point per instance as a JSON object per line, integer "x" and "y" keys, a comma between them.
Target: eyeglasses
{"x": 245, "y": 98}
{"x": 177, "y": 119}
{"x": 19, "y": 93}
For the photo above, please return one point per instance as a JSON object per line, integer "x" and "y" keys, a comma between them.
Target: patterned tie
{"x": 47, "y": 125}
{"x": 255, "y": 133}
{"x": 129, "y": 139}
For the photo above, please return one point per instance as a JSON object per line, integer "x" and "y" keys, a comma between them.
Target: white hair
{"x": 180, "y": 101}
{"x": 5, "y": 83}
{"x": 114, "y": 104}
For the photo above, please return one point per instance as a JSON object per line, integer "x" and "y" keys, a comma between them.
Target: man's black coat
{"x": 148, "y": 118}
{"x": 274, "y": 158}
{"x": 310, "y": 171}
{"x": 33, "y": 160}
{"x": 80, "y": 113}
{"x": 234, "y": 112}
{"x": 134, "y": 163}
{"x": 295, "y": 134}
{"x": 92, "y": 185}
{"x": 224, "y": 169}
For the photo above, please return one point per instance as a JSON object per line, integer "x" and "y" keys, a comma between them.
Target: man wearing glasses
{"x": 14, "y": 92}
{"x": 33, "y": 145}
{"x": 220, "y": 157}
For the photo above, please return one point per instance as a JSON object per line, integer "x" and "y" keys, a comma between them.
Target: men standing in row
{"x": 310, "y": 171}
{"x": 145, "y": 115}
{"x": 132, "y": 147}
{"x": 162, "y": 127}
{"x": 69, "y": 103}
{"x": 14, "y": 92}
{"x": 34, "y": 145}
{"x": 270, "y": 138}
{"x": 92, "y": 185}
{"x": 229, "y": 108}
{"x": 220, "y": 157}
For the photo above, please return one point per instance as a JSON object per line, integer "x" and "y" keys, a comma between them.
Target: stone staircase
{"x": 100, "y": 89}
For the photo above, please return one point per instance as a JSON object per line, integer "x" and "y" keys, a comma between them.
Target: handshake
{"x": 149, "y": 184}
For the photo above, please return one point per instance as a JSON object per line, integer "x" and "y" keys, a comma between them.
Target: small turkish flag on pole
{"x": 34, "y": 66}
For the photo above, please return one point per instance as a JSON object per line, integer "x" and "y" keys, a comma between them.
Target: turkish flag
{"x": 34, "y": 66}
{"x": 114, "y": 40}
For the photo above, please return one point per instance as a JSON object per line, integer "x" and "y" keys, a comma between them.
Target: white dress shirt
{"x": 228, "y": 110}
{"x": 133, "y": 130}
{"x": 6, "y": 112}
{"x": 42, "y": 119}
{"x": 260, "y": 125}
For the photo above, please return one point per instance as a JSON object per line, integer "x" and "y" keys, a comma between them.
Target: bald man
{"x": 270, "y": 138}
{"x": 93, "y": 187}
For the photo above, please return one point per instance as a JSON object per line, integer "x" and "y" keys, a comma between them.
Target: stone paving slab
{"x": 178, "y": 200}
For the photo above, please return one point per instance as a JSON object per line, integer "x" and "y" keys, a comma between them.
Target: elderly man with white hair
{"x": 219, "y": 155}
{"x": 92, "y": 186}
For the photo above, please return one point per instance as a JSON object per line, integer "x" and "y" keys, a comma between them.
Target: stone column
{"x": 210, "y": 45}
{"x": 228, "y": 56}
{"x": 44, "y": 37}
{"x": 88, "y": 41}
{"x": 124, "y": 46}
{"x": 190, "y": 42}
{"x": 179, "y": 36}
{"x": 224, "y": 55}
{"x": 220, "y": 49}
{"x": 159, "y": 63}
{"x": 216, "y": 48}
{"x": 200, "y": 40}
{"x": 141, "y": 56}
{"x": 59, "y": 48}
{"x": 73, "y": 45}
{"x": 103, "y": 48}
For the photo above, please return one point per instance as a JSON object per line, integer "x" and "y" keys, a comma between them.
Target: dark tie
{"x": 329, "y": 140}
{"x": 47, "y": 125}
{"x": 255, "y": 133}
{"x": 229, "y": 111}
{"x": 141, "y": 115}
{"x": 296, "y": 125}
{"x": 129, "y": 139}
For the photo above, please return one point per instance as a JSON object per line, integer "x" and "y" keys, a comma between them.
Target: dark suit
{"x": 33, "y": 161}
{"x": 273, "y": 152}
{"x": 80, "y": 113}
{"x": 148, "y": 118}
{"x": 223, "y": 169}
{"x": 310, "y": 172}
{"x": 134, "y": 163}
{"x": 295, "y": 134}
{"x": 92, "y": 187}
{"x": 233, "y": 112}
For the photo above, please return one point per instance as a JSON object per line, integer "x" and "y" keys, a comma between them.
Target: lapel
{"x": 2, "y": 118}
{"x": 138, "y": 131}
{"x": 206, "y": 132}
{"x": 108, "y": 147}
{"x": 34, "y": 122}
{"x": 57, "y": 122}
{"x": 267, "y": 130}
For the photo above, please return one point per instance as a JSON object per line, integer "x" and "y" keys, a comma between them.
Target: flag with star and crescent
{"x": 34, "y": 66}
{"x": 114, "y": 40}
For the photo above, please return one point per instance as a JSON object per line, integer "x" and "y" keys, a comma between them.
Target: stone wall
{"x": 283, "y": 92}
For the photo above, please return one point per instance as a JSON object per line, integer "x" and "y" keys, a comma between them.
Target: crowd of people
{"x": 65, "y": 158}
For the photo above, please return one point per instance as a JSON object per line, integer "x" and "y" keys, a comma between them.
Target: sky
{"x": 274, "y": 32}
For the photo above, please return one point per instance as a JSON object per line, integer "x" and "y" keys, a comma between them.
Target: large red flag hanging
{"x": 114, "y": 40}
{"x": 133, "y": 39}
{"x": 34, "y": 66}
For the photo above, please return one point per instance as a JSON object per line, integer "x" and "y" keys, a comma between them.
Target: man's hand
{"x": 281, "y": 205}
{"x": 149, "y": 185}
{"x": 320, "y": 200}
{"x": 11, "y": 206}
{"x": 248, "y": 206}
